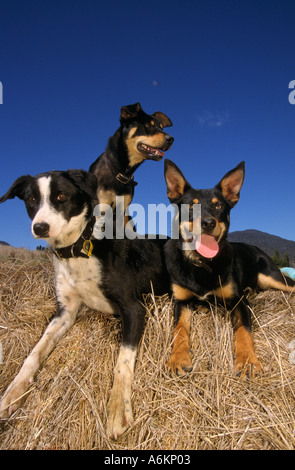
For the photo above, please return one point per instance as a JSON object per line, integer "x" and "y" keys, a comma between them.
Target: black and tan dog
{"x": 140, "y": 137}
{"x": 213, "y": 267}
{"x": 107, "y": 275}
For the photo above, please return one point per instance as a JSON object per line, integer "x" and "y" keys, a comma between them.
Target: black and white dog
{"x": 107, "y": 275}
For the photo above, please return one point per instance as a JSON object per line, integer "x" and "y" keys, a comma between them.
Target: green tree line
{"x": 281, "y": 262}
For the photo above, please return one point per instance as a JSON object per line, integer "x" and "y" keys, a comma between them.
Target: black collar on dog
{"x": 81, "y": 248}
{"x": 202, "y": 264}
{"x": 126, "y": 179}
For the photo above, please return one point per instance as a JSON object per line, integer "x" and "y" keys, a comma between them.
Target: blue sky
{"x": 219, "y": 69}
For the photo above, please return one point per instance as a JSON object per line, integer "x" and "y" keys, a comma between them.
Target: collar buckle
{"x": 87, "y": 247}
{"x": 125, "y": 179}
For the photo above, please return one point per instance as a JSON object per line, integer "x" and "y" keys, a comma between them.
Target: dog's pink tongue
{"x": 207, "y": 246}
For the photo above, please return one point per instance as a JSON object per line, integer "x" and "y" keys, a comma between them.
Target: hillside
{"x": 266, "y": 242}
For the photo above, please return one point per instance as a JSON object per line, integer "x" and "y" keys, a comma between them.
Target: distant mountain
{"x": 4, "y": 243}
{"x": 266, "y": 242}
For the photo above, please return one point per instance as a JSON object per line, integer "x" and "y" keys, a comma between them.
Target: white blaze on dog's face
{"x": 52, "y": 220}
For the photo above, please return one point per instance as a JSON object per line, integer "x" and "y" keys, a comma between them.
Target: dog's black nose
{"x": 208, "y": 223}
{"x": 41, "y": 229}
{"x": 169, "y": 139}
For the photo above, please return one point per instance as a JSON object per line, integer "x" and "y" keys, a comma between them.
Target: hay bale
{"x": 210, "y": 408}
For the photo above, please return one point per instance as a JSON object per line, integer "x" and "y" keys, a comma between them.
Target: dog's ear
{"x": 176, "y": 182}
{"x": 164, "y": 120}
{"x": 85, "y": 181}
{"x": 18, "y": 188}
{"x": 130, "y": 111}
{"x": 231, "y": 184}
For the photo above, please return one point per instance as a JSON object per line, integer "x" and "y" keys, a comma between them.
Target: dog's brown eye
{"x": 147, "y": 124}
{"x": 32, "y": 200}
{"x": 61, "y": 197}
{"x": 218, "y": 207}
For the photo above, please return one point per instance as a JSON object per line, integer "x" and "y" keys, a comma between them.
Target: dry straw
{"x": 210, "y": 408}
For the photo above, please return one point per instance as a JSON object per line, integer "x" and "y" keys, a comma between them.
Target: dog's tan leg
{"x": 283, "y": 283}
{"x": 246, "y": 363}
{"x": 119, "y": 407}
{"x": 14, "y": 395}
{"x": 180, "y": 359}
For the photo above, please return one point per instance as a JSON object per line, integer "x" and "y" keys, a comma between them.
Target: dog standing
{"x": 213, "y": 267}
{"x": 140, "y": 137}
{"x": 106, "y": 275}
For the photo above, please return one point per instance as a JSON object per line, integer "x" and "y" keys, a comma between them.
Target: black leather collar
{"x": 202, "y": 264}
{"x": 81, "y": 248}
{"x": 126, "y": 179}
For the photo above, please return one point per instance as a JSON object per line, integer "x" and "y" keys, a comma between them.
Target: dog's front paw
{"x": 13, "y": 397}
{"x": 180, "y": 362}
{"x": 120, "y": 415}
{"x": 247, "y": 366}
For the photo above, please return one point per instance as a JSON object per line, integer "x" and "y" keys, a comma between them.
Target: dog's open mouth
{"x": 152, "y": 153}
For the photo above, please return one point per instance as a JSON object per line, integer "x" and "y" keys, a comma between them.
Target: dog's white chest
{"x": 82, "y": 277}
